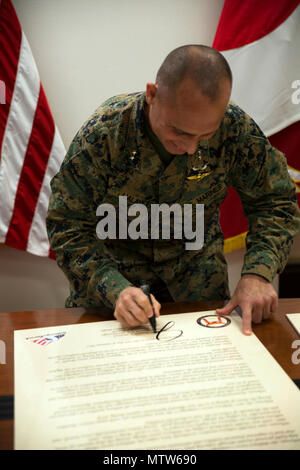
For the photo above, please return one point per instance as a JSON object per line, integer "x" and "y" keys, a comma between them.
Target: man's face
{"x": 180, "y": 121}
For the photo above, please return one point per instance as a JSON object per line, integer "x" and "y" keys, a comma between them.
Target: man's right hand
{"x": 133, "y": 307}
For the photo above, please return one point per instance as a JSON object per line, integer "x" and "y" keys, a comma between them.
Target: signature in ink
{"x": 165, "y": 334}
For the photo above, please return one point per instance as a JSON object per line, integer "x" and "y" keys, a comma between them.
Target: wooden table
{"x": 276, "y": 334}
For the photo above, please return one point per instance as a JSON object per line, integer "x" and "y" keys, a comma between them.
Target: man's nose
{"x": 191, "y": 147}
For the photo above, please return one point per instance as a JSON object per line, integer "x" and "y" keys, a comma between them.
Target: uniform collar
{"x": 137, "y": 133}
{"x": 138, "y": 146}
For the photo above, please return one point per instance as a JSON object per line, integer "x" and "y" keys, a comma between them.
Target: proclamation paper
{"x": 199, "y": 384}
{"x": 294, "y": 319}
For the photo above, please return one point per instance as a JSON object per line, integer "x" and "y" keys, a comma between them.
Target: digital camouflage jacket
{"x": 111, "y": 156}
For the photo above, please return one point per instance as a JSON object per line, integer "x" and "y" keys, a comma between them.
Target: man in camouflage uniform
{"x": 180, "y": 142}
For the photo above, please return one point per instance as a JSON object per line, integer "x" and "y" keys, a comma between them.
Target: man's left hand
{"x": 257, "y": 299}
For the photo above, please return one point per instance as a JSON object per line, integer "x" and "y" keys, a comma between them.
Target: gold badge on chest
{"x": 200, "y": 169}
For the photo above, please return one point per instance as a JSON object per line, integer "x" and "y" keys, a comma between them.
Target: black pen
{"x": 146, "y": 289}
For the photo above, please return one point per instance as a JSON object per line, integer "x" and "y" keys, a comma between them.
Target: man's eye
{"x": 178, "y": 132}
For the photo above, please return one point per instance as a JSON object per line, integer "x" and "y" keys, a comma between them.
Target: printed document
{"x": 199, "y": 383}
{"x": 294, "y": 319}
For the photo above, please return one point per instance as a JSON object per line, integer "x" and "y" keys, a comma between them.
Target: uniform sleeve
{"x": 77, "y": 190}
{"x": 260, "y": 176}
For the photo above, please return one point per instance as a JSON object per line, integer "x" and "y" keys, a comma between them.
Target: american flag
{"x": 45, "y": 340}
{"x": 31, "y": 149}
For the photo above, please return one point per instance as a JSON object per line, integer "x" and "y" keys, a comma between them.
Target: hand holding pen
{"x": 146, "y": 289}
{"x": 133, "y": 307}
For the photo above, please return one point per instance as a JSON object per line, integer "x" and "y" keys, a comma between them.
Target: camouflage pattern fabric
{"x": 112, "y": 156}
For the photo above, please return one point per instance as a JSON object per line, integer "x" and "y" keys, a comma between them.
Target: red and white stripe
{"x": 262, "y": 46}
{"x": 31, "y": 149}
{"x": 261, "y": 41}
{"x": 42, "y": 341}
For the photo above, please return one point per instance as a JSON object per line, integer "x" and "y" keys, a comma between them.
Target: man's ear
{"x": 151, "y": 92}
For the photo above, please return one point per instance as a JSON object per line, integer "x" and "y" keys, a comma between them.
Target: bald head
{"x": 205, "y": 67}
{"x": 188, "y": 101}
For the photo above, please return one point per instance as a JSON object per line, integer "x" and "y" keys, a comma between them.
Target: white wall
{"x": 86, "y": 52}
